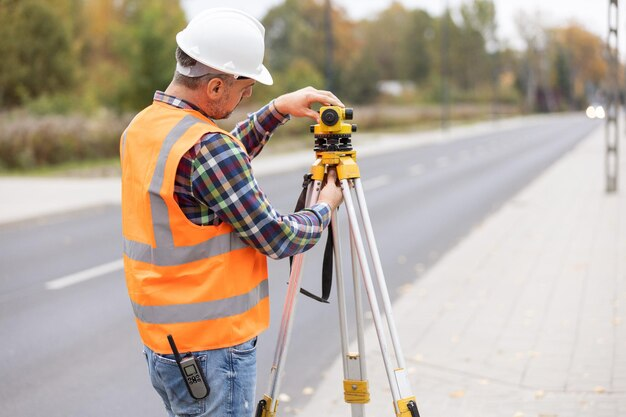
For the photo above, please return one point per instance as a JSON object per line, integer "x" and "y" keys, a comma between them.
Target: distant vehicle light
{"x": 591, "y": 112}
{"x": 600, "y": 112}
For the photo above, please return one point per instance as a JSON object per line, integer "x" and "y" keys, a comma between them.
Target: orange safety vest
{"x": 201, "y": 284}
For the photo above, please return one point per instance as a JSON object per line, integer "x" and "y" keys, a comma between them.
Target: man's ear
{"x": 215, "y": 88}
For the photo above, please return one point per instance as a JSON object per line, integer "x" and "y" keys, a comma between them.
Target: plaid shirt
{"x": 214, "y": 184}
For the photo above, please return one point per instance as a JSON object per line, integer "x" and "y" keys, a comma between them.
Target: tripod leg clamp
{"x": 263, "y": 408}
{"x": 356, "y": 392}
{"x": 408, "y": 407}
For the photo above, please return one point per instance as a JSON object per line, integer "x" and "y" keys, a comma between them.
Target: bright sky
{"x": 592, "y": 14}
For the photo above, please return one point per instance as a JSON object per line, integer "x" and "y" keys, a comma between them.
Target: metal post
{"x": 329, "y": 70}
{"x": 612, "y": 100}
{"x": 445, "y": 81}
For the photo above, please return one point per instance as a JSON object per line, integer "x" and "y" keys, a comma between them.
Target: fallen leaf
{"x": 404, "y": 289}
{"x": 457, "y": 394}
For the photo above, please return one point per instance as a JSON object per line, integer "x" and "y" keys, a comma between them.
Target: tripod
{"x": 334, "y": 149}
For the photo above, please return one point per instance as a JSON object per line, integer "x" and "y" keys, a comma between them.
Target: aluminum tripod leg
{"x": 404, "y": 402}
{"x": 356, "y": 390}
{"x": 382, "y": 286}
{"x": 268, "y": 405}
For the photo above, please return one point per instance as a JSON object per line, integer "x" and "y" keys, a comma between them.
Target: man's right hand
{"x": 331, "y": 191}
{"x": 298, "y": 103}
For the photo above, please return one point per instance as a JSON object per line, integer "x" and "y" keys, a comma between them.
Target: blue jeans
{"x": 230, "y": 374}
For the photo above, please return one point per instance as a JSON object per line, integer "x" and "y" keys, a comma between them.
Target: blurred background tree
{"x": 131, "y": 52}
{"x": 38, "y": 57}
{"x": 95, "y": 57}
{"x": 89, "y": 54}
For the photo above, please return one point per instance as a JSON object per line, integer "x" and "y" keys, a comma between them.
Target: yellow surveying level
{"x": 333, "y": 148}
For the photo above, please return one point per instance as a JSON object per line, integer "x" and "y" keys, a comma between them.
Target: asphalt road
{"x": 71, "y": 349}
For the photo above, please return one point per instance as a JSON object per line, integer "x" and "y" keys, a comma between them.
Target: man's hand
{"x": 299, "y": 102}
{"x": 331, "y": 192}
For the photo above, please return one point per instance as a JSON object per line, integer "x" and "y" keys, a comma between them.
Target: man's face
{"x": 233, "y": 93}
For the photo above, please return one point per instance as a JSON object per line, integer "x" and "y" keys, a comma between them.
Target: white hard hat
{"x": 227, "y": 40}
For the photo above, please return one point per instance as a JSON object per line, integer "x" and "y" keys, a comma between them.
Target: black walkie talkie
{"x": 189, "y": 369}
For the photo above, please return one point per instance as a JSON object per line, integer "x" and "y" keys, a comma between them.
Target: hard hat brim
{"x": 265, "y": 77}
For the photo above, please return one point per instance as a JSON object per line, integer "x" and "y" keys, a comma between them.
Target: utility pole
{"x": 612, "y": 100}
{"x": 330, "y": 46}
{"x": 445, "y": 90}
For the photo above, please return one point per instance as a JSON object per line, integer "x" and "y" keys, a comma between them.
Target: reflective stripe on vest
{"x": 208, "y": 310}
{"x": 178, "y": 255}
{"x": 160, "y": 216}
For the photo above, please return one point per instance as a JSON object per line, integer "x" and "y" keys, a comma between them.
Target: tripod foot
{"x": 408, "y": 407}
{"x": 413, "y": 409}
{"x": 263, "y": 408}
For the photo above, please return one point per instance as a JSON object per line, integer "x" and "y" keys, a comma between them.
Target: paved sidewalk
{"x": 525, "y": 317}
{"x": 27, "y": 198}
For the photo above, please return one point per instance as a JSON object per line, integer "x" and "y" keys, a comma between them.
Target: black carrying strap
{"x": 327, "y": 264}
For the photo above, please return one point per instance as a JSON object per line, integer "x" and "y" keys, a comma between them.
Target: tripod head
{"x": 332, "y": 134}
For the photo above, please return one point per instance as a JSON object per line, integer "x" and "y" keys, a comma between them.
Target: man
{"x": 197, "y": 228}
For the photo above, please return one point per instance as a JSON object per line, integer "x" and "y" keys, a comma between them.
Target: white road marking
{"x": 376, "y": 182}
{"x": 416, "y": 170}
{"x": 464, "y": 155}
{"x": 443, "y": 161}
{"x": 87, "y": 274}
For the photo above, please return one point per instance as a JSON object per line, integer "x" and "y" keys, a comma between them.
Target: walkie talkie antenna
{"x": 174, "y": 349}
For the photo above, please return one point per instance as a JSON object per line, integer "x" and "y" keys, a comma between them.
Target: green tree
{"x": 296, "y": 30}
{"x": 36, "y": 52}
{"x": 478, "y": 30}
{"x": 415, "y": 58}
{"x": 480, "y": 16}
{"x": 383, "y": 54}
{"x": 579, "y": 60}
{"x": 300, "y": 73}
{"x": 563, "y": 76}
{"x": 384, "y": 35}
{"x": 130, "y": 50}
{"x": 146, "y": 45}
{"x": 292, "y": 33}
{"x": 359, "y": 79}
{"x": 444, "y": 49}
